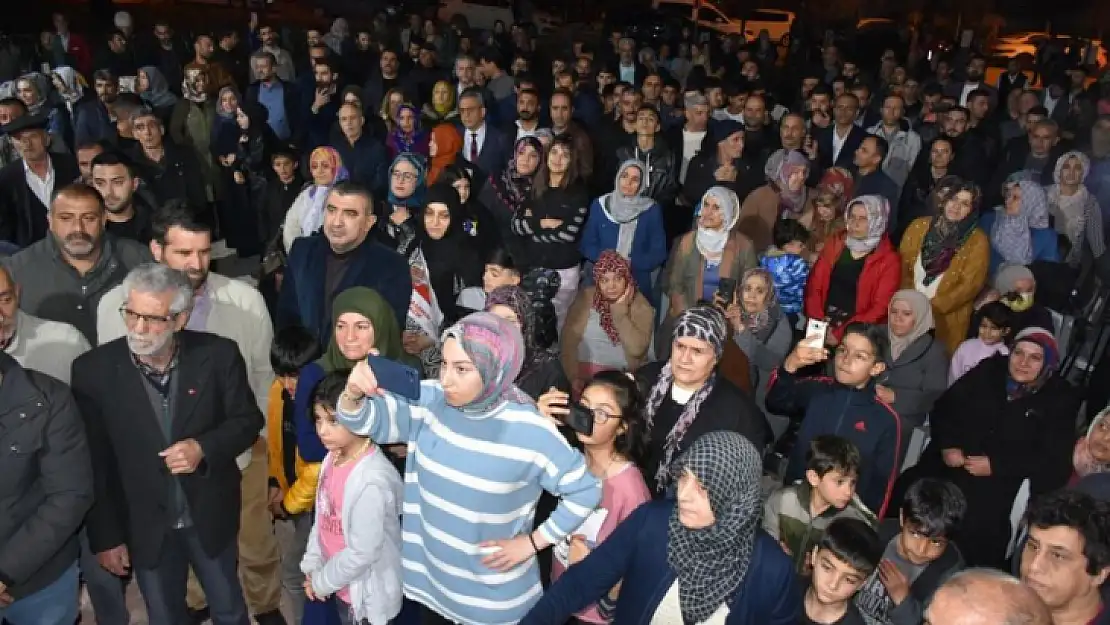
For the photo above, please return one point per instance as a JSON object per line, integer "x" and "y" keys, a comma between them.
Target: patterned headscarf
{"x": 945, "y": 237}
{"x": 704, "y": 323}
{"x": 791, "y": 205}
{"x": 1082, "y": 460}
{"x": 763, "y": 323}
{"x": 72, "y": 84}
{"x": 496, "y": 347}
{"x": 1072, "y": 212}
{"x": 1010, "y": 234}
{"x": 712, "y": 562}
{"x": 189, "y": 87}
{"x": 520, "y": 302}
{"x": 878, "y": 212}
{"x": 416, "y": 200}
{"x": 833, "y": 190}
{"x": 403, "y": 141}
{"x": 313, "y": 218}
{"x": 610, "y": 262}
{"x": 513, "y": 188}
{"x": 1047, "y": 342}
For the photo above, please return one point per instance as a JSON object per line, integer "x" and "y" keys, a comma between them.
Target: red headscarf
{"x": 610, "y": 262}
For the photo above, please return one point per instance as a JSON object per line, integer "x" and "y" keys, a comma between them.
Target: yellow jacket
{"x": 300, "y": 496}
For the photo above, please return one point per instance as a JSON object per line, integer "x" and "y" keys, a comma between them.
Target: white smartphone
{"x": 815, "y": 333}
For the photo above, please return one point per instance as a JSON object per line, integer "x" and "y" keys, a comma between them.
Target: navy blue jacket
{"x": 882, "y": 185}
{"x": 855, "y": 414}
{"x": 302, "y": 300}
{"x": 497, "y": 149}
{"x": 635, "y": 554}
{"x": 366, "y": 161}
{"x": 91, "y": 123}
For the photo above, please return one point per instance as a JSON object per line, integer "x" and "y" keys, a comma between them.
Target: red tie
{"x": 473, "y": 147}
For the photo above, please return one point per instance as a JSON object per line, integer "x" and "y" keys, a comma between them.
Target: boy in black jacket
{"x": 919, "y": 555}
{"x": 842, "y": 561}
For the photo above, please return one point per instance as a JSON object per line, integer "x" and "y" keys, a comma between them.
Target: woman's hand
{"x": 954, "y": 457}
{"x": 625, "y": 300}
{"x": 361, "y": 382}
{"x": 308, "y": 592}
{"x": 804, "y": 356}
{"x": 732, "y": 314}
{"x": 885, "y": 393}
{"x": 725, "y": 173}
{"x": 416, "y": 342}
{"x": 554, "y": 404}
{"x": 578, "y": 549}
{"x": 509, "y": 553}
{"x": 979, "y": 466}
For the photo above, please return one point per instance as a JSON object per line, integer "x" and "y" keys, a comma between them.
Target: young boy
{"x": 798, "y": 515}
{"x": 995, "y": 325}
{"x": 918, "y": 554}
{"x": 292, "y": 480}
{"x": 281, "y": 189}
{"x": 844, "y": 405}
{"x": 786, "y": 261}
{"x": 354, "y": 550}
{"x": 841, "y": 562}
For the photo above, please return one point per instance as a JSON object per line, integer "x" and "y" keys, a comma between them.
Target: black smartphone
{"x": 580, "y": 419}
{"x": 396, "y": 378}
{"x": 726, "y": 290}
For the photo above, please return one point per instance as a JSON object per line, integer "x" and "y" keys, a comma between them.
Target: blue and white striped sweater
{"x": 469, "y": 479}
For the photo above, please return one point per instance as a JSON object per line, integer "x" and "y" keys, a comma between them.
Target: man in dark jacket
{"x": 658, "y": 160}
{"x": 323, "y": 265}
{"x": 278, "y": 97}
{"x": 870, "y": 177}
{"x": 47, "y": 486}
{"x": 94, "y": 120}
{"x": 169, "y": 171}
{"x": 24, "y": 192}
{"x": 364, "y": 156}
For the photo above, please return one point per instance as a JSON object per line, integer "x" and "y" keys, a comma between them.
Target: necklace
{"x": 342, "y": 459}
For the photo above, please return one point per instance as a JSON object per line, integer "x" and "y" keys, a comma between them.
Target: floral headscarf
{"x": 878, "y": 212}
{"x": 189, "y": 87}
{"x": 791, "y": 205}
{"x": 313, "y": 218}
{"x": 944, "y": 238}
{"x": 1010, "y": 234}
{"x": 496, "y": 347}
{"x": 402, "y": 141}
{"x": 513, "y": 188}
{"x": 1084, "y": 463}
{"x": 1073, "y": 212}
{"x": 761, "y": 324}
{"x": 523, "y": 306}
{"x": 416, "y": 200}
{"x": 610, "y": 262}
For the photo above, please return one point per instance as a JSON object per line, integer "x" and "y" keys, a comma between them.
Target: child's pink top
{"x": 970, "y": 353}
{"x": 329, "y": 517}
{"x": 621, "y": 494}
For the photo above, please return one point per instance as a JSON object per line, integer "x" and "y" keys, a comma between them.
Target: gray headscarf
{"x": 1010, "y": 234}
{"x": 625, "y": 210}
{"x": 712, "y": 562}
{"x": 705, "y": 323}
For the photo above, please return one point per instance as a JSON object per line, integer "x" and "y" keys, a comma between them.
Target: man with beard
{"x": 95, "y": 120}
{"x": 27, "y": 184}
{"x": 283, "y": 61}
{"x": 64, "y": 275}
{"x": 344, "y": 256}
{"x": 561, "y": 110}
{"x": 527, "y": 122}
{"x": 167, "y": 411}
{"x": 236, "y": 311}
{"x": 976, "y": 67}
{"x": 277, "y": 96}
{"x": 128, "y": 210}
{"x": 323, "y": 106}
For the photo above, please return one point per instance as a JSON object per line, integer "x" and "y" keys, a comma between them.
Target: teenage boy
{"x": 1066, "y": 558}
{"x": 842, "y": 561}
{"x": 797, "y": 515}
{"x": 918, "y": 554}
{"x": 844, "y": 405}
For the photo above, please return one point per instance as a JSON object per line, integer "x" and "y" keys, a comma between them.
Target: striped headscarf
{"x": 496, "y": 347}
{"x": 610, "y": 262}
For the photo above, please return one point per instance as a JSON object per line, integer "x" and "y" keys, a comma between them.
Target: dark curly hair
{"x": 632, "y": 443}
{"x": 1082, "y": 513}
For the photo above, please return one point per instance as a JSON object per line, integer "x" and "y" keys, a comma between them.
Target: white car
{"x": 483, "y": 14}
{"x": 710, "y": 18}
{"x": 776, "y": 22}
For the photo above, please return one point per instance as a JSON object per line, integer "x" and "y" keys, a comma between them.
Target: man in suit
{"x": 277, "y": 96}
{"x": 484, "y": 147}
{"x": 837, "y": 144}
{"x": 167, "y": 411}
{"x": 26, "y": 186}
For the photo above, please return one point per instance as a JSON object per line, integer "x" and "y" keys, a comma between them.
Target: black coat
{"x": 46, "y": 481}
{"x": 22, "y": 214}
{"x": 701, "y": 174}
{"x": 847, "y": 155}
{"x": 215, "y": 407}
{"x": 178, "y": 176}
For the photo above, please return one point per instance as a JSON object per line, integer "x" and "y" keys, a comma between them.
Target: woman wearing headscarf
{"x": 946, "y": 257}
{"x": 1023, "y": 428}
{"x": 69, "y": 85}
{"x": 242, "y": 148}
{"x": 857, "y": 272}
{"x": 541, "y": 370}
{"x": 407, "y": 137}
{"x": 463, "y": 425}
{"x": 687, "y": 396}
{"x": 1075, "y": 209}
{"x": 714, "y": 250}
{"x": 155, "y": 92}
{"x": 916, "y": 367}
{"x": 825, "y": 211}
{"x": 193, "y": 119}
{"x": 1016, "y": 287}
{"x": 628, "y": 221}
{"x": 442, "y": 107}
{"x": 35, "y": 90}
{"x": 362, "y": 321}
{"x": 1019, "y": 230}
{"x": 701, "y": 557}
{"x": 404, "y": 201}
{"x": 444, "y": 144}
{"x": 609, "y": 325}
{"x": 784, "y": 196}
{"x": 1092, "y": 451}
{"x": 306, "y": 215}
{"x": 505, "y": 192}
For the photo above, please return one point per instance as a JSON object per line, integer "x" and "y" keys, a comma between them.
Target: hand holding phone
{"x": 726, "y": 290}
{"x": 816, "y": 331}
{"x": 580, "y": 419}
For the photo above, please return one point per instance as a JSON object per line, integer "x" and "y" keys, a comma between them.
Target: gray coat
{"x": 918, "y": 378}
{"x": 763, "y": 357}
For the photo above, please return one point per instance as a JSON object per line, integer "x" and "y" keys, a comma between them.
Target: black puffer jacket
{"x": 659, "y": 162}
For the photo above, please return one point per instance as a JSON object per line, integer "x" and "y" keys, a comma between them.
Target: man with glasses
{"x": 64, "y": 275}
{"x": 167, "y": 411}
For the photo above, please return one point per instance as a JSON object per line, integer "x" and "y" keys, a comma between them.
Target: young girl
{"x": 612, "y": 451}
{"x": 358, "y": 562}
{"x": 997, "y": 322}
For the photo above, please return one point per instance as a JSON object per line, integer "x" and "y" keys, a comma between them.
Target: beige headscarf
{"x": 922, "y": 320}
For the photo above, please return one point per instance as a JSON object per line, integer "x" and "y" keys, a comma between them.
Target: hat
{"x": 723, "y": 129}
{"x": 26, "y": 122}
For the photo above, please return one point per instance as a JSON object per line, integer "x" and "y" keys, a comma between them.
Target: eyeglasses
{"x": 132, "y": 318}
{"x": 404, "y": 176}
{"x": 601, "y": 415}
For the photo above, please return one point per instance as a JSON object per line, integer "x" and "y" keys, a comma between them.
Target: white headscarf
{"x": 711, "y": 243}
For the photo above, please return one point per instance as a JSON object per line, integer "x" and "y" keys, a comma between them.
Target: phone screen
{"x": 815, "y": 333}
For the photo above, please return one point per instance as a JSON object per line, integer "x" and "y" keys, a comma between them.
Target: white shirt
{"x": 628, "y": 73}
{"x": 838, "y": 142}
{"x": 520, "y": 133}
{"x": 472, "y": 136}
{"x": 691, "y": 145}
{"x": 669, "y": 610}
{"x": 968, "y": 88}
{"x": 1050, "y": 103}
{"x": 43, "y": 188}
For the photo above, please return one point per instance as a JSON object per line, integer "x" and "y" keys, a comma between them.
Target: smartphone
{"x": 815, "y": 333}
{"x": 580, "y": 419}
{"x": 726, "y": 290}
{"x": 396, "y": 378}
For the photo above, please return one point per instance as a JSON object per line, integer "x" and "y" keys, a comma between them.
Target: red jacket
{"x": 878, "y": 282}
{"x": 81, "y": 54}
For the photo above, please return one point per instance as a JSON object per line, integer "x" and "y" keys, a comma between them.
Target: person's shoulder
{"x": 93, "y": 361}
{"x": 34, "y": 253}
{"x": 210, "y": 342}
{"x": 769, "y": 561}
{"x": 130, "y": 252}
{"x": 55, "y": 330}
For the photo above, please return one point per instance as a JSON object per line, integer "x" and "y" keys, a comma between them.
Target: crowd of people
{"x": 546, "y": 334}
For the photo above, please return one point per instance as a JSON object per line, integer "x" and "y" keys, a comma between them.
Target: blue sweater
{"x": 472, "y": 478}
{"x": 649, "y": 245}
{"x": 635, "y": 554}
{"x": 1045, "y": 242}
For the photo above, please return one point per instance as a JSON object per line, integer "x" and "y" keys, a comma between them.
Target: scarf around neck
{"x": 313, "y": 218}
{"x": 1071, "y": 211}
{"x": 625, "y": 210}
